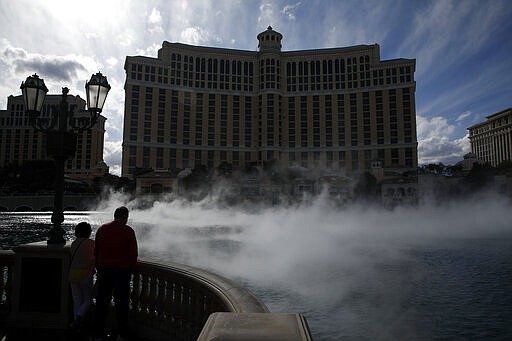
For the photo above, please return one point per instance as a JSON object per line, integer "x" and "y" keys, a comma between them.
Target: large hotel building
{"x": 491, "y": 140}
{"x": 337, "y": 108}
{"x": 20, "y": 142}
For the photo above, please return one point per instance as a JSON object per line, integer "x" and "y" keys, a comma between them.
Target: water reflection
{"x": 18, "y": 228}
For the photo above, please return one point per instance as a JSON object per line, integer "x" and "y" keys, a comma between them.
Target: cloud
{"x": 289, "y": 11}
{"x": 54, "y": 68}
{"x": 436, "y": 144}
{"x": 155, "y": 21}
{"x": 112, "y": 153}
{"x": 197, "y": 35}
{"x": 155, "y": 17}
{"x": 446, "y": 32}
{"x": 267, "y": 15}
{"x": 124, "y": 39}
{"x": 19, "y": 61}
{"x": 463, "y": 116}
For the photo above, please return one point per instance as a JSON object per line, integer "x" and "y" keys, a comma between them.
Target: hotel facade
{"x": 20, "y": 142}
{"x": 491, "y": 141}
{"x": 341, "y": 109}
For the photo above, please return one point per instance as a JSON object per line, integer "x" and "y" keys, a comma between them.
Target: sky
{"x": 462, "y": 48}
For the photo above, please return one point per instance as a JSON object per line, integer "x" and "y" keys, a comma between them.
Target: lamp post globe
{"x": 96, "y": 90}
{"x": 34, "y": 92}
{"x": 61, "y": 132}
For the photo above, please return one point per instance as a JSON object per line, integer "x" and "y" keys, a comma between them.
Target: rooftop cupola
{"x": 269, "y": 40}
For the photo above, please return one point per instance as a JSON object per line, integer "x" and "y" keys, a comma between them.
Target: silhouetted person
{"x": 81, "y": 273}
{"x": 116, "y": 255}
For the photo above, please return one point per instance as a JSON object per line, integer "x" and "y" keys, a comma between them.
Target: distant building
{"x": 335, "y": 108}
{"x": 156, "y": 182}
{"x": 491, "y": 141}
{"x": 468, "y": 162}
{"x": 19, "y": 142}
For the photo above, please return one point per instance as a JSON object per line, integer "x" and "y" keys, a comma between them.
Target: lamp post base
{"x": 56, "y": 235}
{"x": 40, "y": 291}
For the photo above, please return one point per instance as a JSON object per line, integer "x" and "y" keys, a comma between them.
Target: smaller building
{"x": 468, "y": 162}
{"x": 156, "y": 182}
{"x": 491, "y": 141}
{"x": 398, "y": 192}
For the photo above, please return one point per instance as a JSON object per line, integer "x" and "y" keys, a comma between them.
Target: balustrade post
{"x": 134, "y": 295}
{"x": 160, "y": 299}
{"x": 144, "y": 296}
{"x": 152, "y": 297}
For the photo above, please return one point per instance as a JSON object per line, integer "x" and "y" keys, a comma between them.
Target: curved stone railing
{"x": 172, "y": 301}
{"x": 169, "y": 301}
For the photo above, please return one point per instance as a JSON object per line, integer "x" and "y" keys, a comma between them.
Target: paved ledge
{"x": 255, "y": 326}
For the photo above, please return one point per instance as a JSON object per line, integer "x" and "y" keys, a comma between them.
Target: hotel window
{"x": 199, "y": 119}
{"x": 355, "y": 160}
{"x": 367, "y": 158}
{"x": 341, "y": 159}
{"x": 270, "y": 120}
{"x": 210, "y": 160}
{"x": 145, "y": 157}
{"x": 303, "y": 121}
{"x": 291, "y": 122}
{"x": 211, "y": 119}
{"x": 304, "y": 159}
{"x": 186, "y": 119}
{"x": 174, "y": 117}
{"x": 172, "y": 158}
{"x": 197, "y": 157}
{"x": 393, "y": 117}
{"x": 148, "y": 114}
{"x": 248, "y": 121}
{"x": 394, "y": 156}
{"x": 408, "y": 157}
{"x": 159, "y": 158}
{"x": 185, "y": 158}
{"x": 328, "y": 121}
{"x": 316, "y": 121}
{"x": 353, "y": 120}
{"x": 341, "y": 120}
{"x": 366, "y": 119}
{"x": 161, "y": 115}
{"x": 236, "y": 121}
{"x": 136, "y": 72}
{"x": 406, "y": 104}
{"x": 223, "y": 120}
{"x": 134, "y": 121}
{"x": 132, "y": 158}
{"x": 379, "y": 116}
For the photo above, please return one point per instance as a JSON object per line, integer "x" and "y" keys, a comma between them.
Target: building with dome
{"x": 341, "y": 109}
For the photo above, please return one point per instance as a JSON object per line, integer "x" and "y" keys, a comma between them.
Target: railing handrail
{"x": 235, "y": 297}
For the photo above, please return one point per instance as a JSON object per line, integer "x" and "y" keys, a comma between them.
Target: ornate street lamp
{"x": 61, "y": 128}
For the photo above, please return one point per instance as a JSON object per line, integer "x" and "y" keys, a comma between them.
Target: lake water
{"x": 424, "y": 273}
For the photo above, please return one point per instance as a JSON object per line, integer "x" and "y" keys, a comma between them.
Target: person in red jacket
{"x": 115, "y": 255}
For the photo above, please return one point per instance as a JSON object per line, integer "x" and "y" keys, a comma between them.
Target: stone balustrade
{"x": 173, "y": 301}
{"x": 169, "y": 301}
